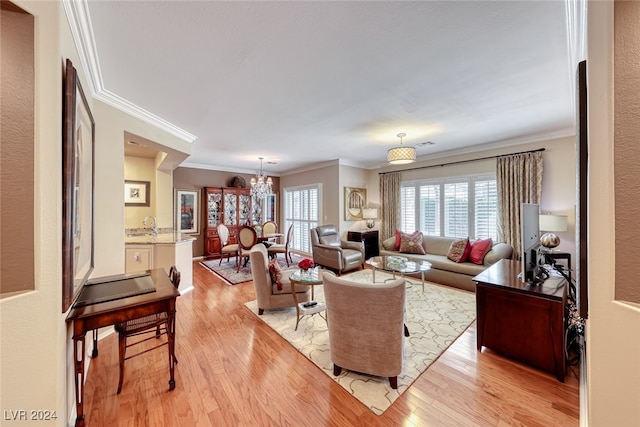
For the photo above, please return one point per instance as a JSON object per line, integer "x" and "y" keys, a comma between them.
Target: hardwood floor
{"x": 234, "y": 370}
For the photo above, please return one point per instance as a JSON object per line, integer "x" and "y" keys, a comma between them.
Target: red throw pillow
{"x": 276, "y": 273}
{"x": 459, "y": 250}
{"x": 479, "y": 249}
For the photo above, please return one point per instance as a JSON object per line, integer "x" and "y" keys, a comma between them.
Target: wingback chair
{"x": 366, "y": 326}
{"x": 329, "y": 251}
{"x": 267, "y": 293}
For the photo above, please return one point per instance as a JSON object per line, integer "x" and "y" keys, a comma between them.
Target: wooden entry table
{"x": 113, "y": 308}
{"x": 522, "y": 320}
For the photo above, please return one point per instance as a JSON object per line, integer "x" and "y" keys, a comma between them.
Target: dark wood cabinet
{"x": 233, "y": 207}
{"x": 522, "y": 320}
{"x": 370, "y": 239}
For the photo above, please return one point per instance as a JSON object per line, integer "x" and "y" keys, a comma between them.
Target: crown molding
{"x": 79, "y": 19}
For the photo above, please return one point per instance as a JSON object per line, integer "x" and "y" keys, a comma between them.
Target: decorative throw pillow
{"x": 479, "y": 249}
{"x": 459, "y": 250}
{"x": 411, "y": 243}
{"x": 399, "y": 233}
{"x": 276, "y": 273}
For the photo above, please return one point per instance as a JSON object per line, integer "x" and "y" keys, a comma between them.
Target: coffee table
{"x": 312, "y": 278}
{"x": 398, "y": 265}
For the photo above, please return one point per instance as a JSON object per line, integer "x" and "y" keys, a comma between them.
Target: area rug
{"x": 227, "y": 270}
{"x": 435, "y": 318}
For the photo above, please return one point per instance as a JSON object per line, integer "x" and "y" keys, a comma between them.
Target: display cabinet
{"x": 233, "y": 207}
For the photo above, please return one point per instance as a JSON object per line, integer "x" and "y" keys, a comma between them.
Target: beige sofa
{"x": 445, "y": 271}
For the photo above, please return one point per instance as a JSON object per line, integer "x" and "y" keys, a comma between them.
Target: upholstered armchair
{"x": 366, "y": 326}
{"x": 267, "y": 293}
{"x": 329, "y": 251}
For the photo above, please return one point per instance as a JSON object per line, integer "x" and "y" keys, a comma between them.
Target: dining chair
{"x": 269, "y": 227}
{"x": 155, "y": 324}
{"x": 247, "y": 238}
{"x": 279, "y": 248}
{"x": 225, "y": 247}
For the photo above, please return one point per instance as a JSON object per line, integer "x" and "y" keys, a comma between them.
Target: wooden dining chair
{"x": 269, "y": 227}
{"x": 277, "y": 248}
{"x": 247, "y": 238}
{"x": 154, "y": 325}
{"x": 226, "y": 248}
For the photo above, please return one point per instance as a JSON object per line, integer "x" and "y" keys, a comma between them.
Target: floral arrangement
{"x": 306, "y": 264}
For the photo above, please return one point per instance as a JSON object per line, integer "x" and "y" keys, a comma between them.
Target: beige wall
{"x": 354, "y": 177}
{"x": 613, "y": 341}
{"x": 140, "y": 169}
{"x": 17, "y": 87}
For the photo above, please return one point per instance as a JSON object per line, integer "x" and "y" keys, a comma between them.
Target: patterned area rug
{"x": 227, "y": 270}
{"x": 435, "y": 318}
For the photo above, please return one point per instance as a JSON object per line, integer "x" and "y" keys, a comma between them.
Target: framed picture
{"x": 187, "y": 211}
{"x": 136, "y": 193}
{"x": 355, "y": 200}
{"x": 78, "y": 140}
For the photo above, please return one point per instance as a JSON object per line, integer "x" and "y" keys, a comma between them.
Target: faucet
{"x": 154, "y": 227}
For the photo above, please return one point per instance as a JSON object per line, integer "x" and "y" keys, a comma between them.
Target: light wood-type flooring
{"x": 234, "y": 370}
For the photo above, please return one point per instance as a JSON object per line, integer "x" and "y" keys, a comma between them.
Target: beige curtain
{"x": 519, "y": 180}
{"x": 389, "y": 200}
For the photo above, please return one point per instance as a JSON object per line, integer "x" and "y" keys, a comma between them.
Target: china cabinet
{"x": 233, "y": 207}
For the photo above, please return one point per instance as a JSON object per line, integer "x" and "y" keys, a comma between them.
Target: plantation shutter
{"x": 486, "y": 209}
{"x": 302, "y": 210}
{"x": 430, "y": 209}
{"x": 408, "y": 209}
{"x": 456, "y": 209}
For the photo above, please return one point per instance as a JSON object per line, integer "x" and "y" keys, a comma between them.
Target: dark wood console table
{"x": 521, "y": 320}
{"x": 92, "y": 316}
{"x": 370, "y": 239}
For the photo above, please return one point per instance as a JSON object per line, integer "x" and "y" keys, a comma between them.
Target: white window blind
{"x": 452, "y": 207}
{"x": 302, "y": 210}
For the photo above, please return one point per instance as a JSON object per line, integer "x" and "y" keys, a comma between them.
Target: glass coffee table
{"x": 398, "y": 265}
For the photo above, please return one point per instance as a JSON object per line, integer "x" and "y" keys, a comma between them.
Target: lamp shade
{"x": 553, "y": 223}
{"x": 401, "y": 155}
{"x": 369, "y": 213}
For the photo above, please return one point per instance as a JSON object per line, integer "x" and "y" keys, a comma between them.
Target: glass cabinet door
{"x": 256, "y": 211}
{"x": 230, "y": 209}
{"x": 214, "y": 209}
{"x": 244, "y": 209}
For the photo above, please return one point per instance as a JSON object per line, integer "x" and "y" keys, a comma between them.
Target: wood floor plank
{"x": 234, "y": 370}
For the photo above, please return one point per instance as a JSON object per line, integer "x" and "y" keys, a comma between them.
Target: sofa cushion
{"x": 459, "y": 250}
{"x": 388, "y": 244}
{"x": 411, "y": 243}
{"x": 479, "y": 249}
{"x": 275, "y": 271}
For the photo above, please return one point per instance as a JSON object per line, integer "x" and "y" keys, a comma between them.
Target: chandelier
{"x": 261, "y": 184}
{"x": 402, "y": 154}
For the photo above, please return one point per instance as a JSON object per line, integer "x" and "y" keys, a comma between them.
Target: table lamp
{"x": 370, "y": 215}
{"x": 549, "y": 224}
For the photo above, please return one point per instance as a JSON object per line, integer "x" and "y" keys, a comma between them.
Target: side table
{"x": 312, "y": 278}
{"x": 370, "y": 239}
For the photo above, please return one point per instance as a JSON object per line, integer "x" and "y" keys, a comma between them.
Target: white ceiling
{"x": 304, "y": 82}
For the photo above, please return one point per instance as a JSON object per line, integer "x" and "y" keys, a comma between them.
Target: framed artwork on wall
{"x": 355, "y": 200}
{"x": 78, "y": 140}
{"x": 187, "y": 209}
{"x": 137, "y": 193}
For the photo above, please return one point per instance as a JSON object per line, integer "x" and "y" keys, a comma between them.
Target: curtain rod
{"x": 463, "y": 161}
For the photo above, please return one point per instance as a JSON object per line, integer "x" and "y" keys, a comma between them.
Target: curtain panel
{"x": 519, "y": 180}
{"x": 389, "y": 199}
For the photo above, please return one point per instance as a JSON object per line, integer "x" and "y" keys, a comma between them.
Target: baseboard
{"x": 584, "y": 402}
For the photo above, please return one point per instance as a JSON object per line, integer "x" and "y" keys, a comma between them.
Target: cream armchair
{"x": 267, "y": 293}
{"x": 330, "y": 251}
{"x": 366, "y": 326}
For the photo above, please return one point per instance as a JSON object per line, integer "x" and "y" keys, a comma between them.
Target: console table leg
{"x": 79, "y": 349}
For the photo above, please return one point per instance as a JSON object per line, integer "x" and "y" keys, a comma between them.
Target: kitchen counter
{"x": 149, "y": 238}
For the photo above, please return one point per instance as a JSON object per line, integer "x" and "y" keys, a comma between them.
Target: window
{"x": 302, "y": 209}
{"x": 452, "y": 207}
